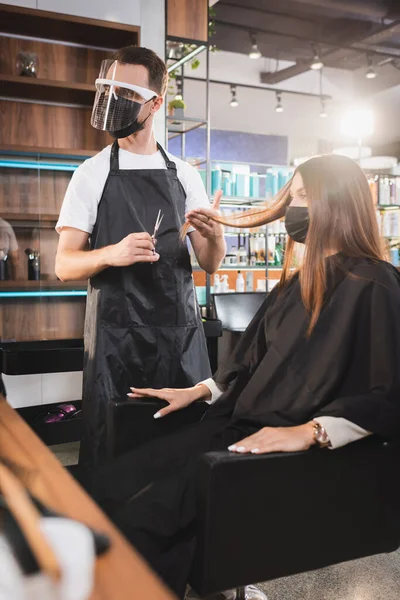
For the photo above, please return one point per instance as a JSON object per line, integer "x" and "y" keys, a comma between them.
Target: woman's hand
{"x": 176, "y": 398}
{"x": 277, "y": 439}
{"x": 200, "y": 219}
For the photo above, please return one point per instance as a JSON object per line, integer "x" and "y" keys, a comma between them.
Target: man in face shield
{"x": 142, "y": 326}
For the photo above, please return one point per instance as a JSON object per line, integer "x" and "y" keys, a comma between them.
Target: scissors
{"x": 156, "y": 228}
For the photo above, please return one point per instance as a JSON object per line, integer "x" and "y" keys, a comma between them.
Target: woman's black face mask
{"x": 297, "y": 220}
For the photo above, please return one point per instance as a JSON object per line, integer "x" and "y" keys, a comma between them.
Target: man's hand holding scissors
{"x": 134, "y": 248}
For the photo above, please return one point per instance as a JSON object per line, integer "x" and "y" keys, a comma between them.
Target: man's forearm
{"x": 211, "y": 253}
{"x": 74, "y": 265}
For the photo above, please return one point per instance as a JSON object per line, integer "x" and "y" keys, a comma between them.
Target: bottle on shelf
{"x": 242, "y": 256}
{"x": 240, "y": 282}
{"x": 271, "y": 249}
{"x": 217, "y": 284}
{"x": 279, "y": 250}
{"x": 3, "y": 265}
{"x": 224, "y": 284}
{"x": 33, "y": 264}
{"x": 261, "y": 250}
{"x": 233, "y": 257}
{"x": 249, "y": 281}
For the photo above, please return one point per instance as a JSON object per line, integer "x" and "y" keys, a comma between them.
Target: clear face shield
{"x": 117, "y": 104}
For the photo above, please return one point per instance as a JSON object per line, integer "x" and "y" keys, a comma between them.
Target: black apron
{"x": 143, "y": 326}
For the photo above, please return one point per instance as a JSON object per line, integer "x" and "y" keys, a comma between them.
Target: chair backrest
{"x": 236, "y": 310}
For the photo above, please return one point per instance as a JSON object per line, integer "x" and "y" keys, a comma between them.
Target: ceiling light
{"x": 255, "y": 51}
{"x": 234, "y": 101}
{"x": 279, "y": 106}
{"x": 357, "y": 122}
{"x": 323, "y": 112}
{"x": 178, "y": 82}
{"x": 370, "y": 73}
{"x": 316, "y": 63}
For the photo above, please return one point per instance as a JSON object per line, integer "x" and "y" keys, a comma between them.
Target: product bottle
{"x": 224, "y": 284}
{"x": 217, "y": 284}
{"x": 261, "y": 251}
{"x": 250, "y": 281}
{"x": 233, "y": 256}
{"x": 33, "y": 264}
{"x": 240, "y": 282}
{"x": 242, "y": 256}
{"x": 3, "y": 265}
{"x": 278, "y": 254}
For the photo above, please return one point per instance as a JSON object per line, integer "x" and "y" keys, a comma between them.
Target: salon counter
{"x": 120, "y": 573}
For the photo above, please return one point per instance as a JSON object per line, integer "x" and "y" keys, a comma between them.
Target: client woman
{"x": 319, "y": 364}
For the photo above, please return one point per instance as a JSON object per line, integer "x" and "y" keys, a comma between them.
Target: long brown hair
{"x": 342, "y": 219}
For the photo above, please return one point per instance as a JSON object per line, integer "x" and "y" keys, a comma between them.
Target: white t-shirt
{"x": 79, "y": 209}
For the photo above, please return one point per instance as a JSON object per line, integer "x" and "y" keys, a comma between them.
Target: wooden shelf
{"x": 45, "y": 284}
{"x": 31, "y": 221}
{"x": 47, "y": 151}
{"x": 56, "y": 26}
{"x": 29, "y": 88}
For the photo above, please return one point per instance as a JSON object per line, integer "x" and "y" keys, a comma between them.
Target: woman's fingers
{"x": 253, "y": 442}
{"x": 217, "y": 199}
{"x": 149, "y": 393}
{"x": 165, "y": 411}
{"x": 199, "y": 217}
{"x": 201, "y": 226}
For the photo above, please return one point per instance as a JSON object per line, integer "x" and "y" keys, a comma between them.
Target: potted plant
{"x": 176, "y": 108}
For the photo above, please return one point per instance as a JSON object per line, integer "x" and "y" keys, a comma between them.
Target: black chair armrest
{"x": 268, "y": 516}
{"x": 130, "y": 423}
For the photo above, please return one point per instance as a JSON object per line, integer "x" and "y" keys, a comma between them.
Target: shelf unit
{"x": 66, "y": 28}
{"x": 45, "y": 134}
{"x": 46, "y": 90}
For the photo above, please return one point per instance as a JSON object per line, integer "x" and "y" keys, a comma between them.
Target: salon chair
{"x": 269, "y": 516}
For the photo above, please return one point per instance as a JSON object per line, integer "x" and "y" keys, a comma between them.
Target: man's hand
{"x": 134, "y": 248}
{"x": 277, "y": 439}
{"x": 200, "y": 219}
{"x": 176, "y": 398}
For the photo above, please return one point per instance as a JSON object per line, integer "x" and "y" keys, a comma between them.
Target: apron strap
{"x": 114, "y": 157}
{"x": 168, "y": 163}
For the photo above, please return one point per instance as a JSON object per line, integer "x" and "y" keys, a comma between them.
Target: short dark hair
{"x": 135, "y": 55}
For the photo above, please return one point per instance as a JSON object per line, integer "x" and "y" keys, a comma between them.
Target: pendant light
{"x": 316, "y": 63}
{"x": 255, "y": 51}
{"x": 234, "y": 102}
{"x": 279, "y": 105}
{"x": 370, "y": 73}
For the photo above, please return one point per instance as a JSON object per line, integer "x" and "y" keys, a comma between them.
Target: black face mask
{"x": 134, "y": 126}
{"x": 297, "y": 220}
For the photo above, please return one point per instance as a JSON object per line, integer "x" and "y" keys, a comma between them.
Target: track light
{"x": 316, "y": 63}
{"x": 255, "y": 51}
{"x": 370, "y": 73}
{"x": 178, "y": 95}
{"x": 323, "y": 114}
{"x": 279, "y": 106}
{"x": 234, "y": 101}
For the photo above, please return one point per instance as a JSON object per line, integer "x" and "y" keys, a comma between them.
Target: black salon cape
{"x": 348, "y": 367}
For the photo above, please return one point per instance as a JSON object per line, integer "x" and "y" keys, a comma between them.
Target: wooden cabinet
{"x": 187, "y": 19}
{"x": 45, "y": 133}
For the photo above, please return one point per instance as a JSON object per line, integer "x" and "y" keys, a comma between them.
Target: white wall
{"x": 30, "y": 390}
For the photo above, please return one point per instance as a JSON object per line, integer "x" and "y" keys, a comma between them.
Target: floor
{"x": 374, "y": 578}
